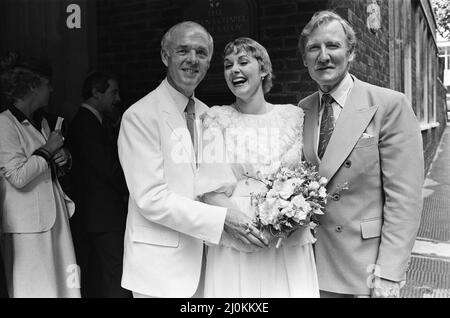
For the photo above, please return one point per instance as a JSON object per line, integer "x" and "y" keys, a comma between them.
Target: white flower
{"x": 282, "y": 204}
{"x": 271, "y": 196}
{"x": 314, "y": 186}
{"x": 264, "y": 214}
{"x": 272, "y": 193}
{"x": 288, "y": 211}
{"x": 300, "y": 202}
{"x": 297, "y": 181}
{"x": 269, "y": 213}
{"x": 284, "y": 188}
{"x": 322, "y": 192}
{"x": 286, "y": 203}
{"x": 300, "y": 215}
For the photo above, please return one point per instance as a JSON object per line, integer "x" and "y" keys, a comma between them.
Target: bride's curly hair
{"x": 19, "y": 74}
{"x": 257, "y": 51}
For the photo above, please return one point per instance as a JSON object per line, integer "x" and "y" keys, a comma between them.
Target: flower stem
{"x": 279, "y": 242}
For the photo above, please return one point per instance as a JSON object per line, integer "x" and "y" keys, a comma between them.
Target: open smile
{"x": 239, "y": 81}
{"x": 190, "y": 70}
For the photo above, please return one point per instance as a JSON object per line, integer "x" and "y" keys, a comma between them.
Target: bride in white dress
{"x": 239, "y": 140}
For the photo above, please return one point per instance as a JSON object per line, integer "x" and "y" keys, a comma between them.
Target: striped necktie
{"x": 326, "y": 124}
{"x": 190, "y": 121}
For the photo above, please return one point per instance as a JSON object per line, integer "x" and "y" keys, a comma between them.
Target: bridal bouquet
{"x": 294, "y": 198}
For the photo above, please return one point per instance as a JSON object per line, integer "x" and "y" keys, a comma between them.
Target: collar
{"x": 94, "y": 111}
{"x": 181, "y": 100}
{"x": 340, "y": 92}
{"x": 21, "y": 118}
{"x": 38, "y": 116}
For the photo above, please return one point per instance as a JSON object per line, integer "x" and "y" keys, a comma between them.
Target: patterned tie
{"x": 326, "y": 124}
{"x": 190, "y": 120}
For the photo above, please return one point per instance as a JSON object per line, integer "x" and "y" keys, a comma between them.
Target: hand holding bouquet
{"x": 294, "y": 198}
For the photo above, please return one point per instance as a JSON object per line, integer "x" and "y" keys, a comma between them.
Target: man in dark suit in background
{"x": 97, "y": 185}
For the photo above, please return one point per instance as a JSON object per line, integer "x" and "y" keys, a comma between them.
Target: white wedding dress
{"x": 235, "y": 146}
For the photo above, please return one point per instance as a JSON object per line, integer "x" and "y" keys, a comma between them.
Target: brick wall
{"x": 372, "y": 52}
{"x": 281, "y": 24}
{"x": 129, "y": 34}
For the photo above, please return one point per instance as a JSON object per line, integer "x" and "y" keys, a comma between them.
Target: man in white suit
{"x": 165, "y": 227}
{"x": 369, "y": 137}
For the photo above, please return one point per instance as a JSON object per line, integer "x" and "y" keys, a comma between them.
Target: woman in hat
{"x": 37, "y": 244}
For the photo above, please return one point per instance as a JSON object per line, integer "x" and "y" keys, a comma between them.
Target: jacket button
{"x": 338, "y": 228}
{"x": 347, "y": 164}
{"x": 336, "y": 197}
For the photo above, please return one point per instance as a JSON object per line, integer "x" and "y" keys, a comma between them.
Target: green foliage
{"x": 442, "y": 11}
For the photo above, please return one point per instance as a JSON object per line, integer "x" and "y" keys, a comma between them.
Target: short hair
{"x": 257, "y": 51}
{"x": 19, "y": 74}
{"x": 97, "y": 80}
{"x": 167, "y": 38}
{"x": 321, "y": 18}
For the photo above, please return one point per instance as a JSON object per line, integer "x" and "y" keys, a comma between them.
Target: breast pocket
{"x": 365, "y": 157}
{"x": 366, "y": 142}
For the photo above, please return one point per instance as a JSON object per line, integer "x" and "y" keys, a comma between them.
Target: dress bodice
{"x": 237, "y": 148}
{"x": 257, "y": 143}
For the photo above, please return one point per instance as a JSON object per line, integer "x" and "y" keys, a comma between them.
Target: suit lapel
{"x": 353, "y": 120}
{"x": 310, "y": 133}
{"x": 177, "y": 124}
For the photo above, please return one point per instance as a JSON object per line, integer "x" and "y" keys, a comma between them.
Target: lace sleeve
{"x": 294, "y": 118}
{"x": 214, "y": 173}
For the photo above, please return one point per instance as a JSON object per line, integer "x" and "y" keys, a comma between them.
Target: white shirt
{"x": 182, "y": 101}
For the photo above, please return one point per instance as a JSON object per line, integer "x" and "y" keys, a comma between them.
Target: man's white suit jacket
{"x": 165, "y": 227}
